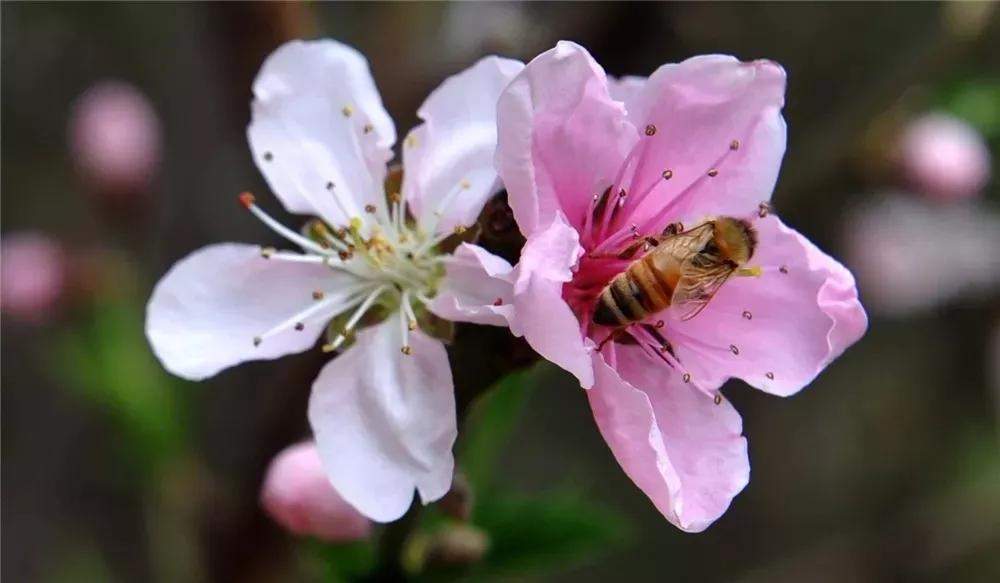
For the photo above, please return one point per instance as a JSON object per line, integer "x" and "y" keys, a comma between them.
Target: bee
{"x": 684, "y": 270}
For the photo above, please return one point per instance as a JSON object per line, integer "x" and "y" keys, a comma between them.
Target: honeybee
{"x": 684, "y": 269}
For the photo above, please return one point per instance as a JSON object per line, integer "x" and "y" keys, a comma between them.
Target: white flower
{"x": 383, "y": 412}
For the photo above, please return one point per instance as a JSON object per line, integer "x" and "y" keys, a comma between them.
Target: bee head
{"x": 735, "y": 238}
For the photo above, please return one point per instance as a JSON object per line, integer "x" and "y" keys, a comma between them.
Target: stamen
{"x": 296, "y": 320}
{"x": 405, "y": 329}
{"x": 249, "y": 202}
{"x": 355, "y": 317}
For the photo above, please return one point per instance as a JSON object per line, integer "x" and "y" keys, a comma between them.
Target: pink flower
{"x": 114, "y": 135}
{"x": 383, "y": 412}
{"x": 701, "y": 138}
{"x": 32, "y": 276}
{"x": 298, "y": 495}
{"x": 945, "y": 158}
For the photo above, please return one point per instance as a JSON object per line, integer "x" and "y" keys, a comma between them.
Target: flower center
{"x": 393, "y": 265}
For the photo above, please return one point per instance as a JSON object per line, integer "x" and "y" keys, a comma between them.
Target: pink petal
{"x": 707, "y": 114}
{"x": 562, "y": 138}
{"x": 33, "y": 273}
{"x": 477, "y": 288}
{"x": 319, "y": 133}
{"x": 540, "y": 313}
{"x": 385, "y": 422}
{"x": 448, "y": 160}
{"x": 944, "y": 157}
{"x": 778, "y": 331}
{"x": 297, "y": 494}
{"x": 205, "y": 312}
{"x": 626, "y": 89}
{"x": 686, "y": 453}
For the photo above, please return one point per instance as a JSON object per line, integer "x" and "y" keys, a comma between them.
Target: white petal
{"x": 448, "y": 160}
{"x": 478, "y": 288}
{"x": 205, "y": 312}
{"x": 319, "y": 133}
{"x": 385, "y": 422}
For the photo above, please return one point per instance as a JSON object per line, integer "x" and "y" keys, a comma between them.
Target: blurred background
{"x": 123, "y": 148}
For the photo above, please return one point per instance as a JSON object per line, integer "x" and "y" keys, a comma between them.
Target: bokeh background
{"x": 123, "y": 148}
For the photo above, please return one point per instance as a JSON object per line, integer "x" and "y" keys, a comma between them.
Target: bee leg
{"x": 673, "y": 229}
{"x": 614, "y": 333}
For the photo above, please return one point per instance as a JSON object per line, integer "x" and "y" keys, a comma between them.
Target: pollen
{"x": 327, "y": 348}
{"x": 651, "y": 130}
{"x": 247, "y": 199}
{"x": 713, "y": 172}
{"x": 459, "y": 229}
{"x": 267, "y": 252}
{"x": 668, "y": 174}
{"x": 347, "y": 110}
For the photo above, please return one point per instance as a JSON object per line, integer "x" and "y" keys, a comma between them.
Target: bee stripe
{"x": 655, "y": 296}
{"x": 626, "y": 295}
{"x": 607, "y": 312}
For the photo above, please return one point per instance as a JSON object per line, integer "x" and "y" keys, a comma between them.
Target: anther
{"x": 465, "y": 184}
{"x": 459, "y": 229}
{"x": 256, "y": 340}
{"x": 650, "y": 130}
{"x": 268, "y": 156}
{"x": 299, "y": 326}
{"x": 783, "y": 269}
{"x": 370, "y": 208}
{"x": 713, "y": 172}
{"x": 410, "y": 141}
{"x": 668, "y": 174}
{"x": 411, "y": 325}
{"x": 498, "y": 302}
{"x": 344, "y": 255}
{"x": 747, "y": 315}
{"x": 247, "y": 200}
{"x": 763, "y": 209}
{"x": 348, "y": 111}
{"x": 665, "y": 348}
{"x": 734, "y": 145}
{"x": 329, "y": 185}
{"x": 327, "y": 347}
{"x": 369, "y": 128}
{"x": 770, "y": 375}
{"x": 734, "y": 349}
{"x": 659, "y": 323}
{"x": 407, "y": 350}
{"x": 317, "y": 295}
{"x": 394, "y": 197}
{"x": 267, "y": 252}
{"x": 686, "y": 378}
{"x": 718, "y": 399}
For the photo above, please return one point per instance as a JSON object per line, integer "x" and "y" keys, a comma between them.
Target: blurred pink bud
{"x": 299, "y": 497}
{"x": 114, "y": 136}
{"x": 944, "y": 157}
{"x": 910, "y": 256}
{"x": 32, "y": 276}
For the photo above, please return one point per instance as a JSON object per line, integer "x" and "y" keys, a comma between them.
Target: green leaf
{"x": 339, "y": 562}
{"x": 545, "y": 533}
{"x": 107, "y": 360}
{"x": 489, "y": 424}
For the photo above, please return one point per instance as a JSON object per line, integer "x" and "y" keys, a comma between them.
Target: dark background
{"x": 886, "y": 468}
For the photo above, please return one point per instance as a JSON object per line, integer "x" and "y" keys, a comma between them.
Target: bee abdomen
{"x": 620, "y": 303}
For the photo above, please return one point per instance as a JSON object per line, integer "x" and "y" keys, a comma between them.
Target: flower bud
{"x": 114, "y": 138}
{"x": 299, "y": 497}
{"x": 32, "y": 276}
{"x": 944, "y": 158}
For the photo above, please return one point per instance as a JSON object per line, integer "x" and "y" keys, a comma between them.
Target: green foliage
{"x": 977, "y": 101}
{"x": 107, "y": 360}
{"x": 340, "y": 562}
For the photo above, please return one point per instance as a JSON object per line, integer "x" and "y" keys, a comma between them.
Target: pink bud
{"x": 32, "y": 276}
{"x": 944, "y": 157}
{"x": 299, "y": 497}
{"x": 114, "y": 135}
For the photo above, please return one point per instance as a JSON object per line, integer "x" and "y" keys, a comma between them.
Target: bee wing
{"x": 700, "y": 280}
{"x": 683, "y": 246}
